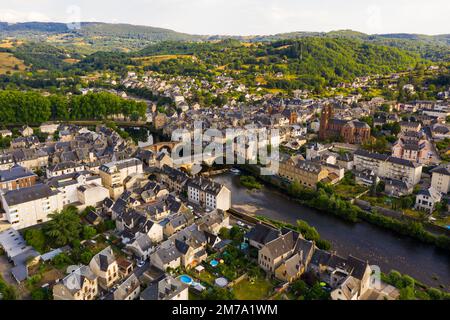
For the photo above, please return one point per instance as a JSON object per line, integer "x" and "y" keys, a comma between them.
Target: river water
{"x": 380, "y": 247}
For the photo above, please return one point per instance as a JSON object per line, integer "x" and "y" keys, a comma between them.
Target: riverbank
{"x": 380, "y": 246}
{"x": 410, "y": 288}
{"x": 326, "y": 200}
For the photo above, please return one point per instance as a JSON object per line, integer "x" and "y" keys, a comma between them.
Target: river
{"x": 380, "y": 247}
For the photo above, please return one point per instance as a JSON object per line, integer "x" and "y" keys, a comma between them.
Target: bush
{"x": 250, "y": 182}
{"x": 61, "y": 260}
{"x": 86, "y": 257}
{"x": 36, "y": 238}
{"x": 40, "y": 294}
{"x": 88, "y": 232}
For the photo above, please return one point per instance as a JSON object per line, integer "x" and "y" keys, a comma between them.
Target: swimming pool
{"x": 186, "y": 279}
{"x": 214, "y": 263}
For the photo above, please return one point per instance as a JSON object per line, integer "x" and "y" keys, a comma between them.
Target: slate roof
{"x": 14, "y": 173}
{"x": 262, "y": 234}
{"x": 28, "y": 194}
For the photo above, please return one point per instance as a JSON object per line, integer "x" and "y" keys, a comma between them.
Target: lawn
{"x": 442, "y": 221}
{"x": 259, "y": 290}
{"x": 204, "y": 277}
{"x": 348, "y": 191}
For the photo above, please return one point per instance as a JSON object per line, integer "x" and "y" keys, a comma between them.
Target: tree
{"x": 64, "y": 227}
{"x": 61, "y": 260}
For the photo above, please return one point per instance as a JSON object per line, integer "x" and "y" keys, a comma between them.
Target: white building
{"x": 81, "y": 189}
{"x": 209, "y": 194}
{"x": 30, "y": 206}
{"x": 113, "y": 174}
{"x": 426, "y": 200}
{"x": 388, "y": 167}
{"x": 64, "y": 168}
{"x": 49, "y": 128}
{"x": 441, "y": 179}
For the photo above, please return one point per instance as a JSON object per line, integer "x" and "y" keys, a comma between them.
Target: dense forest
{"x": 305, "y": 63}
{"x": 32, "y": 107}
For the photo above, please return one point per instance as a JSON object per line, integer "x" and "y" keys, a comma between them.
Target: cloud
{"x": 244, "y": 17}
{"x": 7, "y": 15}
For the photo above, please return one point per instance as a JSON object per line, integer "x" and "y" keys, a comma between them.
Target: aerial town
{"x": 317, "y": 175}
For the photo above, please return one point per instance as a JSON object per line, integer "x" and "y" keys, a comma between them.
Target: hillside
{"x": 311, "y": 62}
{"x": 98, "y": 36}
{"x": 92, "y": 36}
{"x": 435, "y": 48}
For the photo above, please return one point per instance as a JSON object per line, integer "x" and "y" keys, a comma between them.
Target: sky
{"x": 244, "y": 17}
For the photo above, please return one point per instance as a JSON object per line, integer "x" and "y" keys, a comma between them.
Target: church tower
{"x": 327, "y": 114}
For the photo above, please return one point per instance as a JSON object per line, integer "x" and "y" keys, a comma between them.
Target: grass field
{"x": 10, "y": 63}
{"x": 8, "y": 44}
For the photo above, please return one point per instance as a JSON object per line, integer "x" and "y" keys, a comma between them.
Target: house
{"x": 80, "y": 284}
{"x": 129, "y": 289}
{"x": 349, "y": 278}
{"x": 167, "y": 288}
{"x": 427, "y": 199}
{"x": 105, "y": 267}
{"x": 293, "y": 267}
{"x": 397, "y": 188}
{"x": 214, "y": 221}
{"x": 30, "y": 158}
{"x": 415, "y": 147}
{"x": 93, "y": 218}
{"x": 29, "y": 206}
{"x": 64, "y": 168}
{"x": 91, "y": 194}
{"x": 166, "y": 256}
{"x": 345, "y": 161}
{"x": 209, "y": 194}
{"x": 307, "y": 173}
{"x": 260, "y": 235}
{"x": 153, "y": 191}
{"x": 25, "y": 142}
{"x": 125, "y": 267}
{"x": 175, "y": 179}
{"x": 406, "y": 126}
{"x": 177, "y": 222}
{"x": 6, "y": 161}
{"x": 17, "y": 177}
{"x": 277, "y": 256}
{"x": 366, "y": 178}
{"x": 49, "y": 128}
{"x": 191, "y": 242}
{"x": 131, "y": 223}
{"x": 5, "y": 133}
{"x": 26, "y": 131}
{"x": 113, "y": 174}
{"x": 440, "y": 179}
{"x": 141, "y": 246}
{"x": 163, "y": 159}
{"x": 356, "y": 283}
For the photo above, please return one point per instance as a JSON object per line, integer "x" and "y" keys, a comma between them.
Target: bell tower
{"x": 327, "y": 114}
